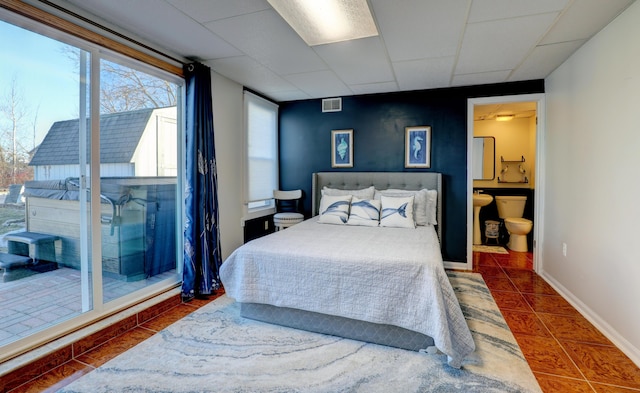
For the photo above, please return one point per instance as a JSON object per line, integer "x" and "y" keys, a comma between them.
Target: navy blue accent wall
{"x": 378, "y": 122}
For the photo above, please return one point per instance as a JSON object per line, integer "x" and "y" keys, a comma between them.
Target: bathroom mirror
{"x": 484, "y": 158}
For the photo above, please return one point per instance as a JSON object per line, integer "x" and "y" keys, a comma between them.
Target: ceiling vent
{"x": 332, "y": 104}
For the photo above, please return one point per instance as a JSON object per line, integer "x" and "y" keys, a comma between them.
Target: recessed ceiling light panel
{"x": 320, "y": 22}
{"x": 504, "y": 117}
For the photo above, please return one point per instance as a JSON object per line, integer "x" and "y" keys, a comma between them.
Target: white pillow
{"x": 397, "y": 212}
{"x": 425, "y": 203}
{"x": 432, "y": 207}
{"x": 365, "y": 212}
{"x": 365, "y": 193}
{"x": 334, "y": 209}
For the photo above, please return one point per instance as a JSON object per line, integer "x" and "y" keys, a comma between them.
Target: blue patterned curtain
{"x": 202, "y": 258}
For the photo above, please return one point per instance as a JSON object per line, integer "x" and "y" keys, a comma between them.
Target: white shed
{"x": 135, "y": 143}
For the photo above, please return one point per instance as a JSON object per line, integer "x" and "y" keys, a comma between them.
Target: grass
{"x": 11, "y": 218}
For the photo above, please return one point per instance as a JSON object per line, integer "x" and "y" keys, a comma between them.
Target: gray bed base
{"x": 388, "y": 335}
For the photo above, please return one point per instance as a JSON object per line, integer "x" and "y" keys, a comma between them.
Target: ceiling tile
{"x": 486, "y": 77}
{"x": 486, "y": 10}
{"x": 502, "y": 44}
{"x": 419, "y": 28}
{"x": 210, "y": 10}
{"x": 424, "y": 74}
{"x": 319, "y": 84}
{"x": 251, "y": 73}
{"x": 422, "y": 43}
{"x": 584, "y": 18}
{"x": 267, "y": 38}
{"x": 358, "y": 61}
{"x": 289, "y": 96}
{"x": 373, "y": 88}
{"x": 543, "y": 60}
{"x": 159, "y": 23}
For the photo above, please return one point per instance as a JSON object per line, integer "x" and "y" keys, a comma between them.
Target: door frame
{"x": 538, "y": 208}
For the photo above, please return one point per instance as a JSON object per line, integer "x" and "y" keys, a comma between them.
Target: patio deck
{"x": 36, "y": 302}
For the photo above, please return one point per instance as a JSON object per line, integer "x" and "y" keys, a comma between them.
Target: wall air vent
{"x": 332, "y": 104}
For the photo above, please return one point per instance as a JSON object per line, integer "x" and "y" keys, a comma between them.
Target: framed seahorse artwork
{"x": 417, "y": 148}
{"x": 342, "y": 148}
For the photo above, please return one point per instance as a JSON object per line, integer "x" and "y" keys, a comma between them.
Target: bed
{"x": 385, "y": 285}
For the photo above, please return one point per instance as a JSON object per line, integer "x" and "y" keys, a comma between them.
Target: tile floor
{"x": 565, "y": 352}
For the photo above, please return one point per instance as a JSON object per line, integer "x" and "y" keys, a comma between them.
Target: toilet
{"x": 510, "y": 209}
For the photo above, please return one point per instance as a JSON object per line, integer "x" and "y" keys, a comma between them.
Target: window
{"x": 261, "y": 161}
{"x": 89, "y": 159}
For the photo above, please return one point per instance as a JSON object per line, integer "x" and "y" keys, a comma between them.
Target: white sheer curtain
{"x": 261, "y": 159}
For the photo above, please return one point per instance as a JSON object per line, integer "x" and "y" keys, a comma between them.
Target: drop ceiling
{"x": 423, "y": 44}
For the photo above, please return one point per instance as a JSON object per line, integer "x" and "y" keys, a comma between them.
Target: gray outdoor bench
{"x": 38, "y": 246}
{"x": 13, "y": 266}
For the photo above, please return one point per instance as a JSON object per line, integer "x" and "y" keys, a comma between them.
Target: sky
{"x": 46, "y": 78}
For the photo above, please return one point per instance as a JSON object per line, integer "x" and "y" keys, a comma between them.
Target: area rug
{"x": 490, "y": 249}
{"x": 216, "y": 350}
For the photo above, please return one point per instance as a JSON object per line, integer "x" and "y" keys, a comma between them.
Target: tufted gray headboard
{"x": 381, "y": 181}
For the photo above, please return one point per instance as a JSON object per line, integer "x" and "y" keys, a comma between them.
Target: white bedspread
{"x": 389, "y": 276}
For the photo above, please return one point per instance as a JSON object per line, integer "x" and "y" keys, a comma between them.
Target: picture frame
{"x": 342, "y": 148}
{"x": 417, "y": 148}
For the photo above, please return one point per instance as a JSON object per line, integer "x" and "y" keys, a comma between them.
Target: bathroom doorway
{"x": 517, "y": 161}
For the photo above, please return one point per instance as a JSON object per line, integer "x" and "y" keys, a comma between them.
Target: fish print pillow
{"x": 365, "y": 212}
{"x": 334, "y": 209}
{"x": 425, "y": 203}
{"x": 397, "y": 212}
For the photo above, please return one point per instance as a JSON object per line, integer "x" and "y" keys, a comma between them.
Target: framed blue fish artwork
{"x": 342, "y": 148}
{"x": 417, "y": 149}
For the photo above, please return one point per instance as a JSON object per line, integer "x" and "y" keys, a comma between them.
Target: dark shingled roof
{"x": 119, "y": 137}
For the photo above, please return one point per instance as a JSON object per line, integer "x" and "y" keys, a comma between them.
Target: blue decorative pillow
{"x": 334, "y": 209}
{"x": 397, "y": 212}
{"x": 365, "y": 212}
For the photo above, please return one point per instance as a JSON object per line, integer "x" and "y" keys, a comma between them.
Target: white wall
{"x": 227, "y": 123}
{"x": 592, "y": 181}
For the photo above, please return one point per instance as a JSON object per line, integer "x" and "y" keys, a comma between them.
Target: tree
{"x": 126, "y": 89}
{"x": 15, "y": 135}
{"x": 123, "y": 88}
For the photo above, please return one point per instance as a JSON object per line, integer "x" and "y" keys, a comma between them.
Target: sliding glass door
{"x": 45, "y": 125}
{"x": 89, "y": 189}
{"x": 138, "y": 179}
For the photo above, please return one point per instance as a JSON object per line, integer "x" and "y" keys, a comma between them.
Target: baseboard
{"x": 463, "y": 266}
{"x": 607, "y": 330}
